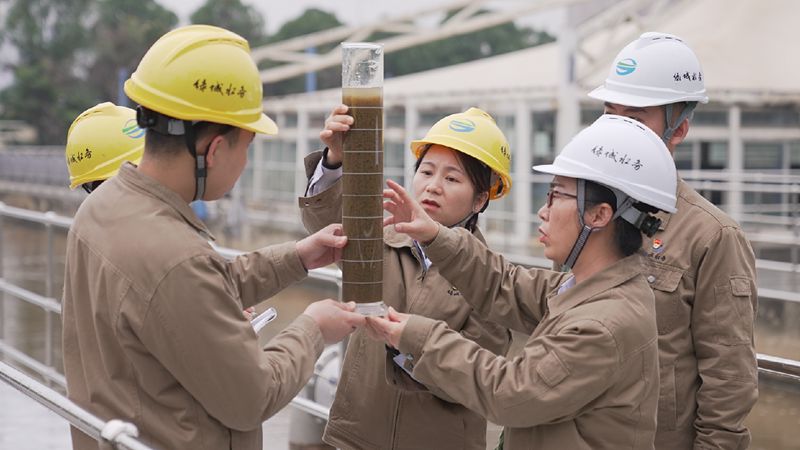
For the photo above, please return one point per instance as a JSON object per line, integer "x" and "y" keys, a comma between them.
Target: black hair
{"x": 159, "y": 144}
{"x": 478, "y": 173}
{"x": 628, "y": 238}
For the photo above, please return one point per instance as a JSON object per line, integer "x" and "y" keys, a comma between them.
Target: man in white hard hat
{"x": 699, "y": 264}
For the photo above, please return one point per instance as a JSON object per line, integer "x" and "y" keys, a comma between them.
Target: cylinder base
{"x": 372, "y": 309}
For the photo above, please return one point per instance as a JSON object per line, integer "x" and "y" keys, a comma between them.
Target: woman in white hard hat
{"x": 588, "y": 374}
{"x": 462, "y": 163}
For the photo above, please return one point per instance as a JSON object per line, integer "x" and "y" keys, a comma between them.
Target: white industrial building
{"x": 743, "y": 150}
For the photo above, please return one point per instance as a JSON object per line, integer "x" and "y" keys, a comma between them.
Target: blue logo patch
{"x": 462, "y": 125}
{"x": 132, "y": 130}
{"x": 626, "y": 66}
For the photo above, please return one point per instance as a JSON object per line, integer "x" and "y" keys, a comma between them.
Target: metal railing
{"x": 120, "y": 434}
{"x": 768, "y": 365}
{"x": 41, "y": 171}
{"x": 51, "y": 399}
{"x": 779, "y": 367}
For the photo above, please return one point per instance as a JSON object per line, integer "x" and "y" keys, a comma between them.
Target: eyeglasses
{"x": 551, "y": 193}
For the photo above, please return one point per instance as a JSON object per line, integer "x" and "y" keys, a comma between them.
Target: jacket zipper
{"x": 398, "y": 396}
{"x": 416, "y": 252}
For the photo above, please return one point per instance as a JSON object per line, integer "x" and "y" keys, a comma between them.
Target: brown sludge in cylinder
{"x": 362, "y": 189}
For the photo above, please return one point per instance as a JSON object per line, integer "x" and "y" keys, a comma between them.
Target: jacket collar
{"x": 615, "y": 275}
{"x": 394, "y": 239}
{"x": 682, "y": 189}
{"x": 130, "y": 176}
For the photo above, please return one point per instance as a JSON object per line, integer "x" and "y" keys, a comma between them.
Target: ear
{"x": 480, "y": 200}
{"x": 215, "y": 150}
{"x": 680, "y": 134}
{"x": 599, "y": 216}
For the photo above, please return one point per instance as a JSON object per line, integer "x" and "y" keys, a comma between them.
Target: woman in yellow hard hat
{"x": 99, "y": 140}
{"x": 588, "y": 374}
{"x": 461, "y": 164}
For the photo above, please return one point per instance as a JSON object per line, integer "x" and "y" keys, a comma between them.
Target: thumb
{"x": 393, "y": 315}
{"x": 335, "y": 232}
{"x": 331, "y": 240}
{"x": 339, "y": 241}
{"x": 349, "y": 306}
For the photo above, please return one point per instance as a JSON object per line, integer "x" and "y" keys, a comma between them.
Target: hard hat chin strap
{"x": 669, "y": 128}
{"x": 166, "y": 125}
{"x": 465, "y": 222}
{"x": 586, "y": 230}
{"x": 643, "y": 221}
{"x": 200, "y": 171}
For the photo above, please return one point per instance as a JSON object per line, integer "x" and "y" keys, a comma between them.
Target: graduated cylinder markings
{"x": 362, "y": 199}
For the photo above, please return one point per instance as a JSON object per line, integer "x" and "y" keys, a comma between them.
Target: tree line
{"x": 72, "y": 54}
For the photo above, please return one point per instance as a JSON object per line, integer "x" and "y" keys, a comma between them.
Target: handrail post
{"x": 796, "y": 223}
{"x": 2, "y": 259}
{"x": 48, "y": 292}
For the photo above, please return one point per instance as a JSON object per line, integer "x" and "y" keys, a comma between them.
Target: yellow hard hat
{"x": 100, "y": 140}
{"x": 475, "y": 133}
{"x": 202, "y": 73}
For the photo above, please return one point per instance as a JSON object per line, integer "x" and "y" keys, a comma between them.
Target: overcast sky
{"x": 277, "y": 12}
{"x": 350, "y": 12}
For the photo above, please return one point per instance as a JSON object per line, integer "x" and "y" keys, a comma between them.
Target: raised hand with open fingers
{"x": 407, "y": 214}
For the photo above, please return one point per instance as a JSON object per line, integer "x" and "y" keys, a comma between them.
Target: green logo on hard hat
{"x": 626, "y": 66}
{"x": 132, "y": 130}
{"x": 462, "y": 125}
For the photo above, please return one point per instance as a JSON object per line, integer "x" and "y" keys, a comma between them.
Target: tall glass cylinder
{"x": 362, "y": 177}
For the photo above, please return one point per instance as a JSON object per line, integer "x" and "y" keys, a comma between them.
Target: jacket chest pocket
{"x": 664, "y": 281}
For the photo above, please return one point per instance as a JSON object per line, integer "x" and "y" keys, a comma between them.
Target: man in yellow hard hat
{"x": 153, "y": 331}
{"x": 99, "y": 140}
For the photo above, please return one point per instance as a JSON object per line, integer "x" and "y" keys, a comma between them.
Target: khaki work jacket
{"x": 153, "y": 330}
{"x": 587, "y": 377}
{"x": 702, "y": 270}
{"x": 377, "y": 405}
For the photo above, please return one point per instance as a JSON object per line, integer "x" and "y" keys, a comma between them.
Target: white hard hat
{"x": 656, "y": 69}
{"x": 624, "y": 155}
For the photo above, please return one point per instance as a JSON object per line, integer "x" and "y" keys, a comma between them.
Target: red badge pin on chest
{"x": 658, "y": 246}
